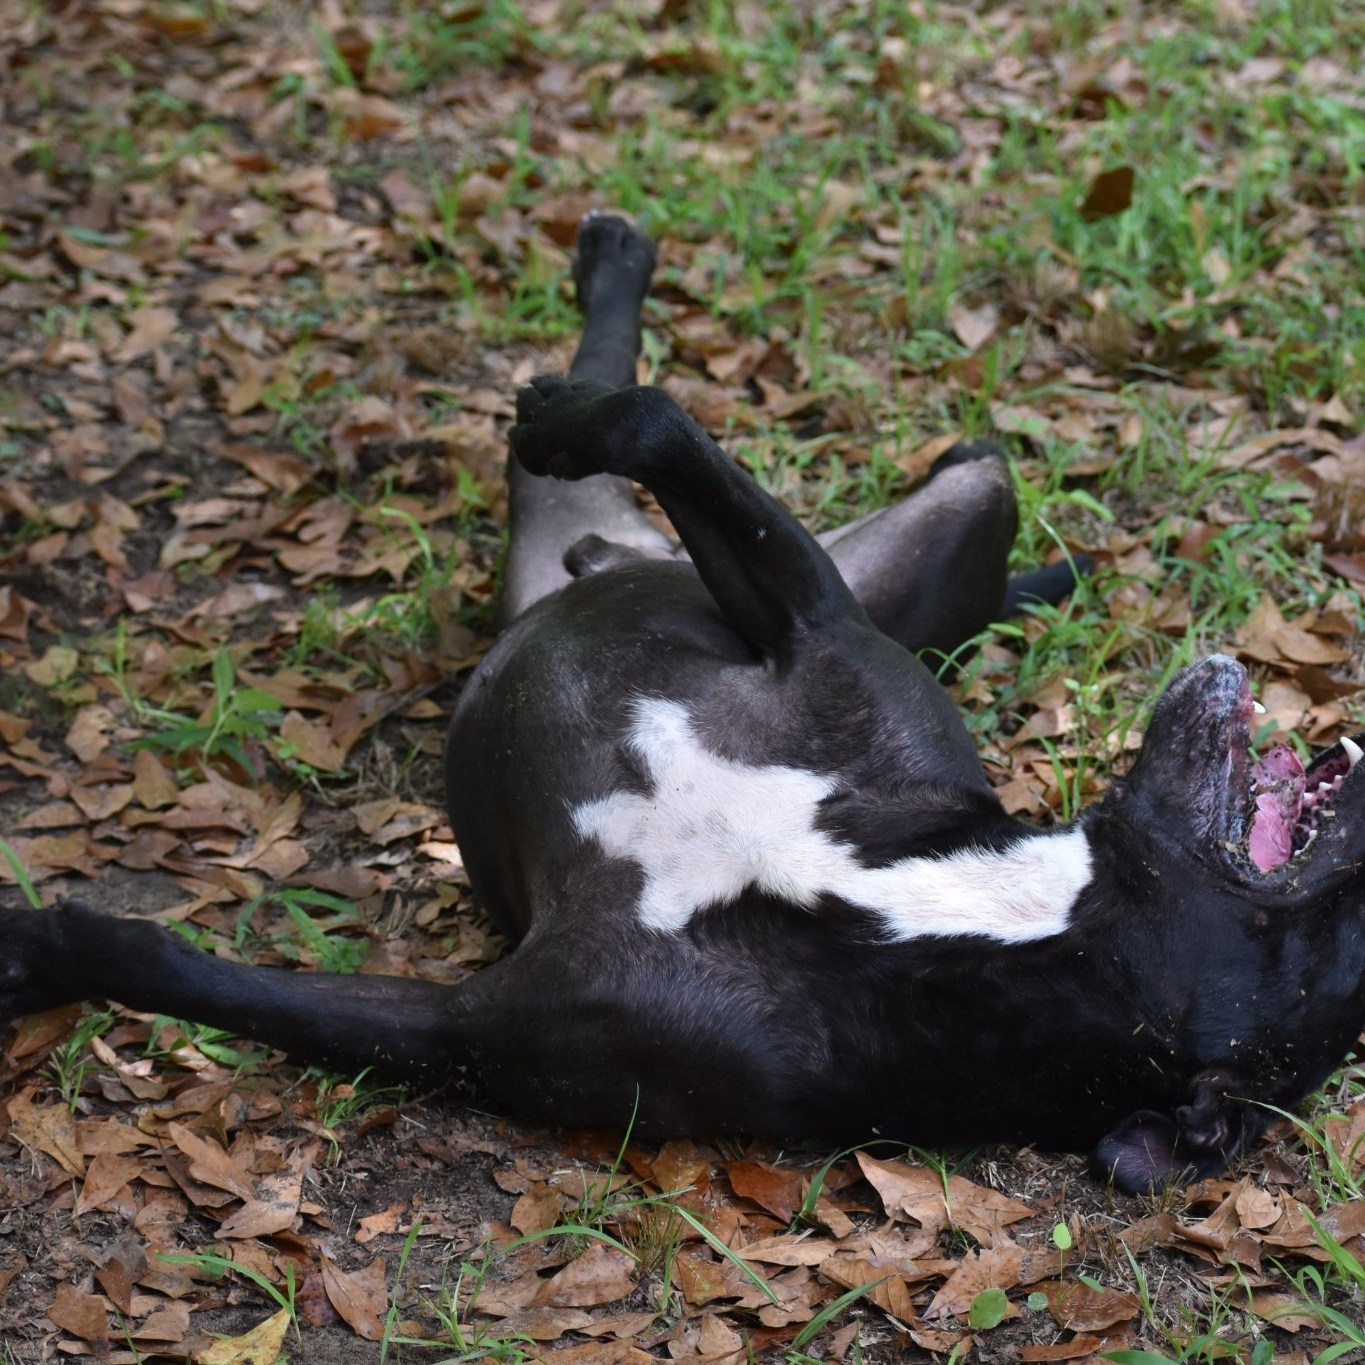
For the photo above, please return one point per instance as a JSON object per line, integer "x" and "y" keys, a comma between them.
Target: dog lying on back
{"x": 756, "y": 876}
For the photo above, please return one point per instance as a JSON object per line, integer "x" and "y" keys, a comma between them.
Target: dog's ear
{"x": 1148, "y": 1150}
{"x": 1140, "y": 1155}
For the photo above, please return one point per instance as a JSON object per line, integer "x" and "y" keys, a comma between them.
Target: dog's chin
{"x": 1261, "y": 816}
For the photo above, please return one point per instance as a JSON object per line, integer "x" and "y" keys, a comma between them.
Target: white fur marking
{"x": 713, "y": 827}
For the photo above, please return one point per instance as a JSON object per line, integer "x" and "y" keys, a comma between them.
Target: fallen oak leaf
{"x": 210, "y": 1164}
{"x": 102, "y": 801}
{"x": 311, "y": 742}
{"x": 273, "y": 1211}
{"x": 107, "y": 1175}
{"x": 597, "y": 1353}
{"x": 49, "y": 1129}
{"x": 703, "y": 1279}
{"x": 1257, "y": 1208}
{"x": 52, "y": 815}
{"x": 167, "y": 1325}
{"x": 923, "y": 1196}
{"x": 49, "y": 854}
{"x": 37, "y": 1034}
{"x": 57, "y": 664}
{"x": 974, "y": 327}
{"x": 82, "y": 1314}
{"x": 883, "y": 1282}
{"x": 150, "y": 327}
{"x": 1080, "y": 1308}
{"x": 538, "y": 1210}
{"x": 153, "y": 783}
{"x": 1285, "y": 1311}
{"x": 1110, "y": 193}
{"x": 385, "y": 1221}
{"x": 602, "y": 1274}
{"x": 15, "y": 609}
{"x": 544, "y": 1324}
{"x": 995, "y": 1268}
{"x": 88, "y": 735}
{"x": 236, "y": 600}
{"x": 777, "y": 1191}
{"x": 1258, "y": 447}
{"x": 123, "y": 1265}
{"x": 622, "y": 1326}
{"x": 787, "y": 1249}
{"x": 286, "y": 474}
{"x": 100, "y": 260}
{"x": 260, "y": 1346}
{"x": 1079, "y": 1347}
{"x": 360, "y": 1296}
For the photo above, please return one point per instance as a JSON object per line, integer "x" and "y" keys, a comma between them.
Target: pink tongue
{"x": 1278, "y": 783}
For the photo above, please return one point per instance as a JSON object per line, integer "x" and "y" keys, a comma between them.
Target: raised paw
{"x": 554, "y": 433}
{"x": 613, "y": 257}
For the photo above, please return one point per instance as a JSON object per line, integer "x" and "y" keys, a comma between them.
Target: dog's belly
{"x": 623, "y": 722}
{"x": 708, "y": 829}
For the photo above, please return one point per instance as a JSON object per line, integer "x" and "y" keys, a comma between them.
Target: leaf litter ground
{"x": 270, "y": 277}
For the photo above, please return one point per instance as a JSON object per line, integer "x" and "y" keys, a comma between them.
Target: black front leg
{"x": 767, "y": 574}
{"x": 411, "y": 1030}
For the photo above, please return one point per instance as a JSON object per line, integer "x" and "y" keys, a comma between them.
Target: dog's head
{"x": 1274, "y": 830}
{"x": 1252, "y": 874}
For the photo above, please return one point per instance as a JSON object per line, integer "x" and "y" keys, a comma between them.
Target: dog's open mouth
{"x": 1288, "y": 804}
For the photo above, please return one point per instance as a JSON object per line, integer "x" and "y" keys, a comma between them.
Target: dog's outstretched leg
{"x": 408, "y": 1029}
{"x": 612, "y": 270}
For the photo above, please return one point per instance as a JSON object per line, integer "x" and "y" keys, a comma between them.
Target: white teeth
{"x": 1353, "y": 750}
{"x": 1258, "y": 708}
{"x": 1324, "y": 786}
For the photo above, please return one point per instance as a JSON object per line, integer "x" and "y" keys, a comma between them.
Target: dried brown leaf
{"x": 107, "y": 1175}
{"x": 995, "y": 1268}
{"x": 974, "y": 327}
{"x": 260, "y": 1346}
{"x": 1110, "y": 192}
{"x": 777, "y": 1191}
{"x": 47, "y": 1128}
{"x": 602, "y": 1274}
{"x": 312, "y": 743}
{"x": 1079, "y": 1308}
{"x": 360, "y": 1296}
{"x": 891, "y": 1294}
{"x": 83, "y": 1315}
{"x": 210, "y": 1164}
{"x": 919, "y": 1193}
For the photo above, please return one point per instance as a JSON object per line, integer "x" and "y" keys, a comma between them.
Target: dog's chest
{"x": 710, "y": 829}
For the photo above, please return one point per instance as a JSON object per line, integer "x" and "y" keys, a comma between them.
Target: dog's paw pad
{"x": 612, "y": 252}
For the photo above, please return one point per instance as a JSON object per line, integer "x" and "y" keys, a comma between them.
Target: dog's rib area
{"x": 712, "y": 828}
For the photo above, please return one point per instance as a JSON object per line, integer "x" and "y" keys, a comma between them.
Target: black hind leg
{"x": 611, "y": 273}
{"x": 930, "y": 570}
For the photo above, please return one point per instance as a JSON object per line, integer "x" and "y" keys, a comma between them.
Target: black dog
{"x": 759, "y": 881}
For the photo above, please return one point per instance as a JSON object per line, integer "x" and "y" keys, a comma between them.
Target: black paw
{"x": 554, "y": 430}
{"x": 612, "y": 255}
{"x": 31, "y": 953}
{"x": 966, "y": 452}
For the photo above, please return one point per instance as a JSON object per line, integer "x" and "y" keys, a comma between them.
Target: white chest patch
{"x": 712, "y": 828}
